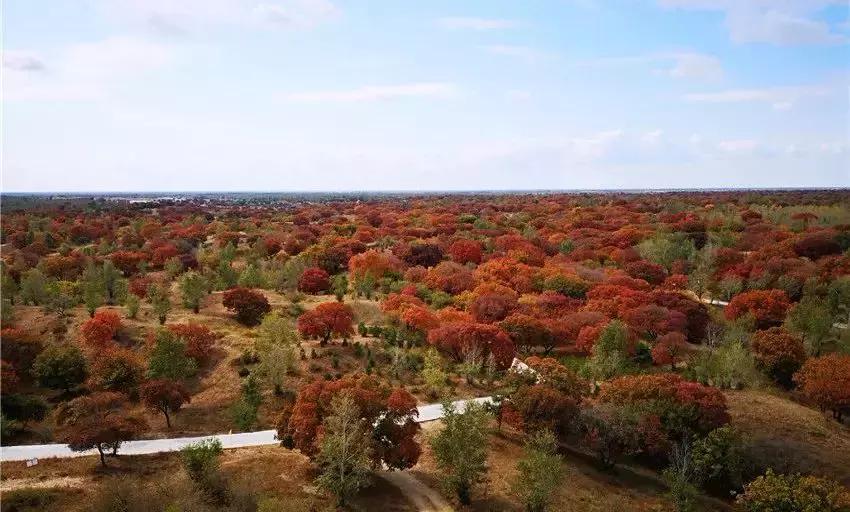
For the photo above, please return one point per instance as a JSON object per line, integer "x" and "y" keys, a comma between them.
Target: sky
{"x": 338, "y": 95}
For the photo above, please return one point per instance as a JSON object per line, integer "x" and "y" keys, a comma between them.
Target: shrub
{"x": 773, "y": 492}
{"x": 249, "y": 305}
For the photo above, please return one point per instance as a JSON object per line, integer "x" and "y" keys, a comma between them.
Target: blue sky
{"x": 267, "y": 95}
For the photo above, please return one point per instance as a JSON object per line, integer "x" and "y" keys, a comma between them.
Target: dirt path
{"x": 423, "y": 497}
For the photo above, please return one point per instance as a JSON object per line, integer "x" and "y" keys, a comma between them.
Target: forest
{"x": 668, "y": 351}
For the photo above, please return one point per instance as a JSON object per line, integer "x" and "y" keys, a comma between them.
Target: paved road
{"x": 429, "y": 412}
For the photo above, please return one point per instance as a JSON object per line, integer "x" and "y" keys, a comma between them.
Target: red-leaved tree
{"x": 326, "y": 320}
{"x": 249, "y": 305}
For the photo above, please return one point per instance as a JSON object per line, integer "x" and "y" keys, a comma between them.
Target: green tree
{"x": 276, "y": 330}
{"x": 160, "y": 301}
{"x": 460, "y": 448}
{"x": 251, "y": 277}
{"x": 8, "y": 286}
{"x": 60, "y": 367}
{"x": 838, "y": 298}
{"x": 168, "y": 360}
{"x": 679, "y": 478}
{"x": 193, "y": 288}
{"x": 132, "y": 305}
{"x": 433, "y": 373}
{"x": 33, "y": 287}
{"x": 610, "y": 356}
{"x": 339, "y": 286}
{"x": 811, "y": 318}
{"x": 666, "y": 248}
{"x": 344, "y": 454}
{"x": 539, "y": 472}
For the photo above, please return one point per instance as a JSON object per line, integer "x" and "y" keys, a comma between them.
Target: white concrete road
{"x": 428, "y": 412}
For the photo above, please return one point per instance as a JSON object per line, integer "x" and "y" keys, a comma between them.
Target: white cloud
{"x": 88, "y": 71}
{"x": 298, "y": 14}
{"x": 738, "y": 146}
{"x": 467, "y": 23}
{"x": 519, "y": 52}
{"x": 679, "y": 65}
{"x": 22, "y": 61}
{"x": 171, "y": 17}
{"x": 695, "y": 66}
{"x": 375, "y": 92}
{"x": 780, "y": 98}
{"x": 652, "y": 138}
{"x": 779, "y": 22}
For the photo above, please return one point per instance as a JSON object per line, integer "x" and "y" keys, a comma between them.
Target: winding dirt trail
{"x": 424, "y": 498}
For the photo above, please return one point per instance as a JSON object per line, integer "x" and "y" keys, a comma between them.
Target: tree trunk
{"x": 167, "y": 417}
{"x": 102, "y": 457}
{"x": 196, "y": 309}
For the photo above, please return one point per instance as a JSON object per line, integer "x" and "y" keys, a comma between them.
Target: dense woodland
{"x": 696, "y": 340}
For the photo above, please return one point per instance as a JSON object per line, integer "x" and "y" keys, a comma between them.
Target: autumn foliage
{"x": 826, "y": 382}
{"x": 390, "y": 411}
{"x": 458, "y": 339}
{"x": 100, "y": 330}
{"x": 249, "y": 305}
{"x": 326, "y": 320}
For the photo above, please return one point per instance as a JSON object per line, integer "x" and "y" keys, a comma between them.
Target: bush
{"x": 773, "y": 492}
{"x": 26, "y": 500}
{"x": 718, "y": 460}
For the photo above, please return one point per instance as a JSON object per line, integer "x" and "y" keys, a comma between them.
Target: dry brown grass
{"x": 791, "y": 437}
{"x": 267, "y": 471}
{"x": 585, "y": 488}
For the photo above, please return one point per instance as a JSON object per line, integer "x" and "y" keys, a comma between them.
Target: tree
{"x": 457, "y": 339}
{"x": 251, "y": 277}
{"x": 652, "y": 320}
{"x": 812, "y": 319}
{"x": 116, "y": 369}
{"x": 199, "y": 339}
{"x": 164, "y": 395}
{"x": 669, "y": 349}
{"x": 249, "y": 305}
{"x": 465, "y": 251}
{"x": 101, "y": 328}
{"x": 60, "y": 367}
{"x": 679, "y": 476}
{"x": 390, "y": 412}
{"x": 433, "y": 373}
{"x": 276, "y": 362}
{"x": 339, "y": 286}
{"x": 245, "y": 410}
{"x": 132, "y": 305}
{"x": 773, "y": 492}
{"x": 684, "y": 407}
{"x": 326, "y": 320}
{"x": 160, "y": 302}
{"x": 168, "y": 359}
{"x": 201, "y": 462}
{"x": 314, "y": 280}
{"x": 825, "y": 381}
{"x": 193, "y": 288}
{"x": 768, "y": 307}
{"x": 527, "y": 332}
{"x": 460, "y": 448}
{"x": 33, "y": 287}
{"x": 544, "y": 407}
{"x": 539, "y": 471}
{"x": 344, "y": 459}
{"x": 838, "y": 298}
{"x": 719, "y": 460}
{"x": 97, "y": 421}
{"x": 610, "y": 353}
{"x": 779, "y": 352}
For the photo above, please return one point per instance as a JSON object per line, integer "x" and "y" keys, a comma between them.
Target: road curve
{"x": 427, "y": 413}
